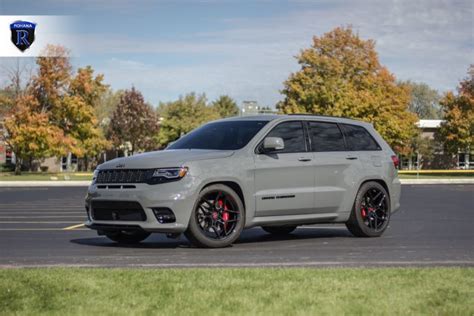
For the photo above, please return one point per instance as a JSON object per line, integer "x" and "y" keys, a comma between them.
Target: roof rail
{"x": 322, "y": 115}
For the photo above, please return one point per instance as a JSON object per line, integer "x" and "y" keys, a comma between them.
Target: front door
{"x": 284, "y": 179}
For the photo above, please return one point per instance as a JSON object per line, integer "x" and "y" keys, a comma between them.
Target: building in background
{"x": 438, "y": 159}
{"x": 253, "y": 108}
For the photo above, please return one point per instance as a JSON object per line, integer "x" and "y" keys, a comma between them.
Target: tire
{"x": 127, "y": 237}
{"x": 208, "y": 226}
{"x": 279, "y": 230}
{"x": 369, "y": 219}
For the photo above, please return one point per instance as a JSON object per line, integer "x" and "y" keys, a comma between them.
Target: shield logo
{"x": 23, "y": 34}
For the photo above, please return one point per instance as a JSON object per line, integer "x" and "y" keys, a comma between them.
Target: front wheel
{"x": 217, "y": 219}
{"x": 371, "y": 211}
{"x": 127, "y": 237}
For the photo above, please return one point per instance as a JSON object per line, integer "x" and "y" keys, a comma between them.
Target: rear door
{"x": 336, "y": 169}
{"x": 284, "y": 179}
{"x": 360, "y": 141}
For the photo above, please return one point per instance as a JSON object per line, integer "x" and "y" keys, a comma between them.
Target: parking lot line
{"x": 73, "y": 227}
{"x": 38, "y": 222}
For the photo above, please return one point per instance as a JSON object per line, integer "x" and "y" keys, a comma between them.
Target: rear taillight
{"x": 396, "y": 161}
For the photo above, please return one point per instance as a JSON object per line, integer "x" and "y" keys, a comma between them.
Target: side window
{"x": 326, "y": 137}
{"x": 292, "y": 134}
{"x": 358, "y": 139}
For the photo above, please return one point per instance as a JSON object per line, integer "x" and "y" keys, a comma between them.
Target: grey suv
{"x": 273, "y": 171}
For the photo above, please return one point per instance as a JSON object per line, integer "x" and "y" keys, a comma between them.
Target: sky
{"x": 247, "y": 49}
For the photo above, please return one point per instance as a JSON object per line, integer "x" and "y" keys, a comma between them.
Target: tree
{"x": 107, "y": 105}
{"x": 51, "y": 82}
{"x": 85, "y": 93}
{"x": 134, "y": 122}
{"x": 226, "y": 106}
{"x": 30, "y": 135}
{"x": 457, "y": 130}
{"x": 424, "y": 101}
{"x": 182, "y": 116}
{"x": 341, "y": 75}
{"x": 69, "y": 101}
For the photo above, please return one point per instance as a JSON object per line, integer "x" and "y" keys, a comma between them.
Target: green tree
{"x": 457, "y": 130}
{"x": 226, "y": 106}
{"x": 134, "y": 122}
{"x": 341, "y": 75}
{"x": 183, "y": 115}
{"x": 424, "y": 101}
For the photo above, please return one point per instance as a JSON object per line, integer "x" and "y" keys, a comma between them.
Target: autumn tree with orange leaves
{"x": 60, "y": 108}
{"x": 341, "y": 75}
{"x": 457, "y": 130}
{"x": 30, "y": 134}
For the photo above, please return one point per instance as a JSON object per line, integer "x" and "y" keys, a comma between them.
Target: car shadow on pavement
{"x": 250, "y": 236}
{"x": 257, "y": 235}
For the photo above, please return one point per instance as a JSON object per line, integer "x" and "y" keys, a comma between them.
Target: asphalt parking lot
{"x": 42, "y": 227}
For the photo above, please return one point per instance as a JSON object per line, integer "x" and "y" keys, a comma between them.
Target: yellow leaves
{"x": 341, "y": 76}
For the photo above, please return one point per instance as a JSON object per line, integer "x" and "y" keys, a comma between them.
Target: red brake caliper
{"x": 225, "y": 216}
{"x": 363, "y": 212}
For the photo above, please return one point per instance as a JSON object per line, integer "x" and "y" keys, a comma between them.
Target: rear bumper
{"x": 395, "y": 195}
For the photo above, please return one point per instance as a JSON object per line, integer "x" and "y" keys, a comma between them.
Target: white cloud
{"x": 427, "y": 40}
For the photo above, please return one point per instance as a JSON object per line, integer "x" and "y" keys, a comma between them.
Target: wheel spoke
{"x": 210, "y": 215}
{"x": 375, "y": 203}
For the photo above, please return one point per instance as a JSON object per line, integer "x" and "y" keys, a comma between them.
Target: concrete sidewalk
{"x": 16, "y": 184}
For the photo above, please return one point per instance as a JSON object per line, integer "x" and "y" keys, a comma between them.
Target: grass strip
{"x": 244, "y": 291}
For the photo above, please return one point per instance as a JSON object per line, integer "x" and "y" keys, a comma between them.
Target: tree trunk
{"x": 17, "y": 167}
{"x": 86, "y": 163}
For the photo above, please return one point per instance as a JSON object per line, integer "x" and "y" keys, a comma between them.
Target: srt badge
{"x": 23, "y": 34}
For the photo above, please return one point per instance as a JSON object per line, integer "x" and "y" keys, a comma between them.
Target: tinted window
{"x": 229, "y": 135}
{"x": 292, "y": 134}
{"x": 326, "y": 137}
{"x": 357, "y": 138}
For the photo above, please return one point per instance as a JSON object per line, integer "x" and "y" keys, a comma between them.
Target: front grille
{"x": 117, "y": 211}
{"x": 124, "y": 176}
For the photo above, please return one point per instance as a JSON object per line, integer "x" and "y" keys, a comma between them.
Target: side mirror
{"x": 273, "y": 143}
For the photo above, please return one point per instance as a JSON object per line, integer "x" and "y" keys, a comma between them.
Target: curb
{"x": 437, "y": 181}
{"x": 16, "y": 184}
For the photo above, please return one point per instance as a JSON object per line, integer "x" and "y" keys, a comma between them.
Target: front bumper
{"x": 178, "y": 196}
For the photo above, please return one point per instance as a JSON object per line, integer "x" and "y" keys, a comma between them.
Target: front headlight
{"x": 94, "y": 176}
{"x": 162, "y": 175}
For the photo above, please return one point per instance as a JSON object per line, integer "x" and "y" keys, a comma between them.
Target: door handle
{"x": 351, "y": 158}
{"x": 304, "y": 159}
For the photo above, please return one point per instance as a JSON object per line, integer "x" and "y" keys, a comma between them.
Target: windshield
{"x": 226, "y": 135}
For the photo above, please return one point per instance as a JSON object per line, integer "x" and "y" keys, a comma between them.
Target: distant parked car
{"x": 273, "y": 171}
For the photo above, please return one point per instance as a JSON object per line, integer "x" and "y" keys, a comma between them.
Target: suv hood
{"x": 164, "y": 158}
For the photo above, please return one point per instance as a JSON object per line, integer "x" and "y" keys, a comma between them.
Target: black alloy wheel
{"x": 371, "y": 212}
{"x": 217, "y": 219}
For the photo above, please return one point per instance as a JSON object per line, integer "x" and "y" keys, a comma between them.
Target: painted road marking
{"x": 40, "y": 222}
{"x": 73, "y": 227}
{"x": 44, "y": 216}
{"x": 41, "y": 213}
{"x": 38, "y": 229}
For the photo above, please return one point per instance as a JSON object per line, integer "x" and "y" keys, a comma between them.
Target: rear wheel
{"x": 217, "y": 219}
{"x": 127, "y": 237}
{"x": 371, "y": 212}
{"x": 279, "y": 230}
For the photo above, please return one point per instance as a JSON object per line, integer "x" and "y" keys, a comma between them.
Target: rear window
{"x": 326, "y": 137}
{"x": 358, "y": 138}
